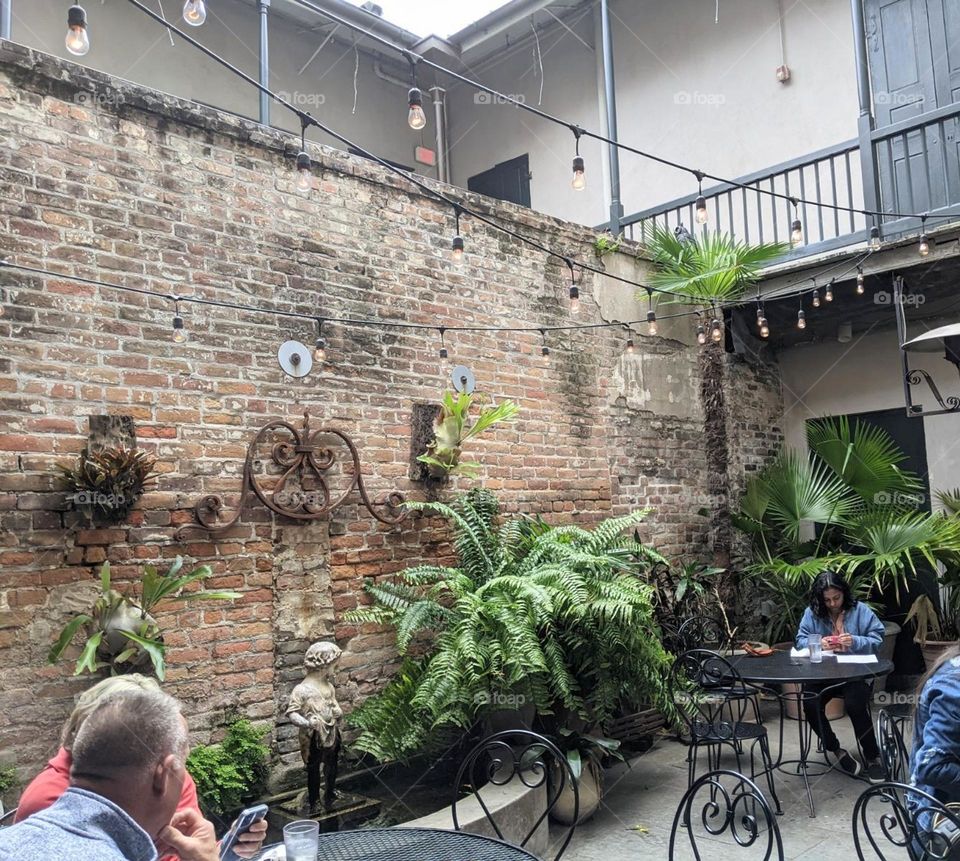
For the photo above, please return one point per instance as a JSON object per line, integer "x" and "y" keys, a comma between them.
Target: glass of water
{"x": 301, "y": 839}
{"x": 815, "y": 643}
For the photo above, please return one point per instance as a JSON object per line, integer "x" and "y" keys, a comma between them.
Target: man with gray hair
{"x": 129, "y": 762}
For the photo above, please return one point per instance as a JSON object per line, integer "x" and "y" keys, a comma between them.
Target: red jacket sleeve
{"x": 47, "y": 786}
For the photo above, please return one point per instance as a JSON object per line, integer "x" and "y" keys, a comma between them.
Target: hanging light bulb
{"x": 443, "y": 346}
{"x": 796, "y": 228}
{"x": 874, "y": 238}
{"x": 764, "y": 328}
{"x": 801, "y": 319}
{"x": 652, "y": 322}
{"x": 828, "y": 293}
{"x": 701, "y": 210}
{"x": 716, "y": 331}
{"x": 456, "y": 252}
{"x": 544, "y": 350}
{"x": 924, "y": 247}
{"x": 574, "y": 299}
{"x": 579, "y": 181}
{"x": 179, "y": 332}
{"x": 194, "y": 12}
{"x": 701, "y": 334}
{"x": 860, "y": 280}
{"x": 629, "y": 349}
{"x": 759, "y": 313}
{"x": 77, "y": 41}
{"x": 320, "y": 348}
{"x": 816, "y": 298}
{"x": 304, "y": 176}
{"x": 416, "y": 118}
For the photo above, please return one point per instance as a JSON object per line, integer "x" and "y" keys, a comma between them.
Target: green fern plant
{"x": 558, "y": 617}
{"x": 233, "y": 772}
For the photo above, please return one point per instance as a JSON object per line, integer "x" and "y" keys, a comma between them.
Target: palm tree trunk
{"x": 717, "y": 448}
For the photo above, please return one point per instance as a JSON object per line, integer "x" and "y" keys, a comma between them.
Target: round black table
{"x": 781, "y": 668}
{"x": 413, "y": 844}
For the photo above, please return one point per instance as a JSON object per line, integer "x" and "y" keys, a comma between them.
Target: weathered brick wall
{"x": 137, "y": 188}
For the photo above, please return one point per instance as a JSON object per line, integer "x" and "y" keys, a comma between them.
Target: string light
{"x": 574, "y": 289}
{"x": 194, "y": 12}
{"x": 828, "y": 293}
{"x": 716, "y": 330}
{"x": 874, "y": 238}
{"x": 701, "y": 203}
{"x": 579, "y": 181}
{"x": 456, "y": 246}
{"x": 796, "y": 229}
{"x": 179, "y": 331}
{"x": 416, "y": 118}
{"x": 629, "y": 348}
{"x": 762, "y": 322}
{"x": 801, "y": 316}
{"x": 924, "y": 247}
{"x": 320, "y": 348}
{"x": 304, "y": 176}
{"x": 651, "y": 314}
{"x": 544, "y": 350}
{"x": 701, "y": 333}
{"x": 860, "y": 280}
{"x": 443, "y": 346}
{"x": 816, "y": 298}
{"x": 77, "y": 41}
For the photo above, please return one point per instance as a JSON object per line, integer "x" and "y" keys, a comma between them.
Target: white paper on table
{"x": 799, "y": 653}
{"x": 856, "y": 659}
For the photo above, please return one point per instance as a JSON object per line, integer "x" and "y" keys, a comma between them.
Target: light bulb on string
{"x": 77, "y": 41}
{"x": 579, "y": 181}
{"x": 544, "y": 349}
{"x": 828, "y": 293}
{"x": 801, "y": 319}
{"x": 651, "y": 314}
{"x": 700, "y": 206}
{"x": 320, "y": 348}
{"x": 874, "y": 238}
{"x": 574, "y": 289}
{"x": 701, "y": 334}
{"x": 924, "y": 247}
{"x": 416, "y": 118}
{"x": 304, "y": 176}
{"x": 179, "y": 330}
{"x": 629, "y": 347}
{"x": 443, "y": 346}
{"x": 194, "y": 12}
{"x": 796, "y": 228}
{"x": 456, "y": 247}
{"x": 716, "y": 330}
{"x": 816, "y": 298}
{"x": 860, "y": 280}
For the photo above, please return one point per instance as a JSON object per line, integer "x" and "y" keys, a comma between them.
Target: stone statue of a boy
{"x": 314, "y": 709}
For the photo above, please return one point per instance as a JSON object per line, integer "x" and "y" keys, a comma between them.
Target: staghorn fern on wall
{"x": 555, "y": 617}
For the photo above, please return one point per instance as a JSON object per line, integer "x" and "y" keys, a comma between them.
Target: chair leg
{"x": 768, "y": 764}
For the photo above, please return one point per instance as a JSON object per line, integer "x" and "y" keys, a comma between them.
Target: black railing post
{"x": 868, "y": 161}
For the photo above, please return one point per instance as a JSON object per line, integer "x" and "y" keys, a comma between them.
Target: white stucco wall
{"x": 688, "y": 88}
{"x": 830, "y": 379}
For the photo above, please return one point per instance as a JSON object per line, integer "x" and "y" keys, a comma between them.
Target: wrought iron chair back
{"x": 525, "y": 756}
{"x": 707, "y": 691}
{"x": 731, "y": 803}
{"x": 910, "y": 822}
{"x": 703, "y": 632}
{"x": 893, "y": 750}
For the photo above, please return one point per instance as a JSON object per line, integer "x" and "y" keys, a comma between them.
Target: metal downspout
{"x": 264, "y": 8}
{"x": 440, "y": 118}
{"x": 6, "y": 18}
{"x": 609, "y": 86}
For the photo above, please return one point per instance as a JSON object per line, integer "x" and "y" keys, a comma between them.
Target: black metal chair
{"x": 733, "y": 804}
{"x": 912, "y": 824}
{"x": 534, "y": 761}
{"x": 703, "y": 632}
{"x": 893, "y": 750}
{"x": 712, "y": 700}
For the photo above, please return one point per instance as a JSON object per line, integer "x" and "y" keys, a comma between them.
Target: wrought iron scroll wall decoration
{"x": 302, "y": 491}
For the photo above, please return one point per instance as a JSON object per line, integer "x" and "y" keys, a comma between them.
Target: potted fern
{"x": 106, "y": 484}
{"x": 559, "y": 617}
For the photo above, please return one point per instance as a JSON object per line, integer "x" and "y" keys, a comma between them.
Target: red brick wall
{"x": 137, "y": 188}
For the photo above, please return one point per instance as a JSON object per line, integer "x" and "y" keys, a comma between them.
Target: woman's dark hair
{"x": 829, "y": 580}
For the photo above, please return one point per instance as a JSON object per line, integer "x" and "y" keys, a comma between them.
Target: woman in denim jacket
{"x": 846, "y": 626}
{"x": 935, "y": 761}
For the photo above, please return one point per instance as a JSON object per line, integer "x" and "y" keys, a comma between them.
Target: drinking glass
{"x": 814, "y": 642}
{"x": 301, "y": 839}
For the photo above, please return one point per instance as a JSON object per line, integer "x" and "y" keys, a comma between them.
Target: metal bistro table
{"x": 413, "y": 844}
{"x": 771, "y": 671}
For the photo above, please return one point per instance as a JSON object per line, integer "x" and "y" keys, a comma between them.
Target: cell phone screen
{"x": 241, "y": 824}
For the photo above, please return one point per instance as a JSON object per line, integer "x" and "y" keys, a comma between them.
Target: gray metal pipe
{"x": 263, "y": 7}
{"x": 6, "y": 18}
{"x": 440, "y": 121}
{"x": 609, "y": 88}
{"x": 860, "y": 52}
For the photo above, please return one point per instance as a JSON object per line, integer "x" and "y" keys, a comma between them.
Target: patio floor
{"x": 637, "y": 812}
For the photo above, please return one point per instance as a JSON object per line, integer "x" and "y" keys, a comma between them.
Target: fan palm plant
{"x": 848, "y": 507}
{"x": 556, "y": 617}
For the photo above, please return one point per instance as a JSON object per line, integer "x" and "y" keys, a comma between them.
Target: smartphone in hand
{"x": 241, "y": 824}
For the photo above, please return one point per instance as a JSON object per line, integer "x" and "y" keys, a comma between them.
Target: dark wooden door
{"x": 509, "y": 180}
{"x": 914, "y": 52}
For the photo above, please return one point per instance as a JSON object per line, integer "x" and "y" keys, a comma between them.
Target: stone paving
{"x": 637, "y": 812}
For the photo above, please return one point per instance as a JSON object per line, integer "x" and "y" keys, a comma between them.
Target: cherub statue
{"x": 314, "y": 709}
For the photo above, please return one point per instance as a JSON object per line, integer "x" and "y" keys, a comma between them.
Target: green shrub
{"x": 232, "y": 773}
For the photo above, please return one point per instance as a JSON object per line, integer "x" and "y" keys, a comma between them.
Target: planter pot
{"x": 933, "y": 649}
{"x": 591, "y": 791}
